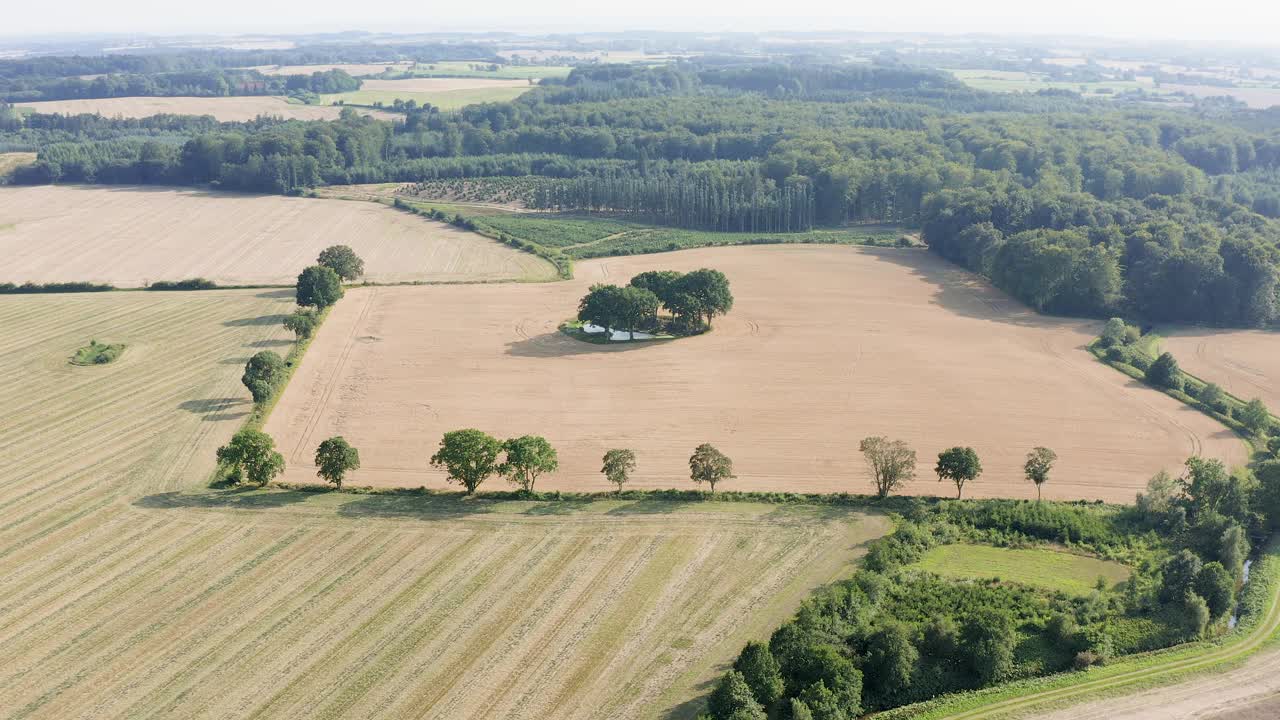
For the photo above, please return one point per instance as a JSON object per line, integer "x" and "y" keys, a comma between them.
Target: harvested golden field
{"x": 129, "y": 591}
{"x": 129, "y": 236}
{"x": 1245, "y": 363}
{"x": 225, "y": 109}
{"x": 825, "y": 346}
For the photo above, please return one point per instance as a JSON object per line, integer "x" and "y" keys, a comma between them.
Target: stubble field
{"x": 128, "y": 236}
{"x": 1245, "y": 363}
{"x": 225, "y": 109}
{"x": 129, "y": 591}
{"x": 825, "y": 345}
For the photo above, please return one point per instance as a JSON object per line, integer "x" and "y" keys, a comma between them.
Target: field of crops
{"x": 1042, "y": 567}
{"x": 444, "y": 93}
{"x": 129, "y": 591}
{"x": 128, "y": 236}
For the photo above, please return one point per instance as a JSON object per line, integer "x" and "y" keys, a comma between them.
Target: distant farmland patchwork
{"x": 128, "y": 236}
{"x": 225, "y": 109}
{"x": 127, "y": 593}
{"x": 825, "y": 345}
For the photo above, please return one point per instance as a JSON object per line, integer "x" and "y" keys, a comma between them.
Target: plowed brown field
{"x": 1246, "y": 363}
{"x": 128, "y": 591}
{"x": 128, "y": 236}
{"x": 825, "y": 346}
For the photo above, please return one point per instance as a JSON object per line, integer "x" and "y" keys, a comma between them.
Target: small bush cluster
{"x": 189, "y": 284}
{"x": 56, "y": 287}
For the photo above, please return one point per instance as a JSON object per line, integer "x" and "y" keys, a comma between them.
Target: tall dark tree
{"x": 263, "y": 374}
{"x": 960, "y": 465}
{"x": 342, "y": 260}
{"x": 319, "y": 286}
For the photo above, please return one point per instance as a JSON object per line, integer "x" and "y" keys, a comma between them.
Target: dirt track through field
{"x": 225, "y": 109}
{"x": 824, "y": 346}
{"x": 128, "y": 236}
{"x": 1245, "y": 363}
{"x": 128, "y": 591}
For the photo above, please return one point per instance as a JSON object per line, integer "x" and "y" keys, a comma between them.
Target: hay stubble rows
{"x": 127, "y": 591}
{"x": 127, "y": 236}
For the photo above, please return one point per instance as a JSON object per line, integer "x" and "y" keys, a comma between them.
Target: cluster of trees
{"x": 893, "y": 464}
{"x": 691, "y": 298}
{"x": 200, "y": 83}
{"x": 749, "y": 204}
{"x": 251, "y": 456}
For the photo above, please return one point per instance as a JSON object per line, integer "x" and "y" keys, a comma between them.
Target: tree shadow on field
{"x": 423, "y": 507}
{"x": 557, "y": 507}
{"x": 214, "y": 409}
{"x": 268, "y": 343}
{"x": 259, "y": 321}
{"x": 281, "y": 293}
{"x": 557, "y": 344}
{"x": 648, "y": 507}
{"x": 690, "y": 708}
{"x": 234, "y": 499}
{"x": 970, "y": 295}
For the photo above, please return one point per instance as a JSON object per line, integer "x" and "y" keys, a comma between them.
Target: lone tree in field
{"x": 342, "y": 260}
{"x": 334, "y": 459}
{"x": 262, "y": 374}
{"x": 1255, "y": 416}
{"x": 468, "y": 456}
{"x": 959, "y": 465}
{"x": 709, "y": 292}
{"x": 1039, "y": 462}
{"x": 252, "y": 456}
{"x": 527, "y": 458}
{"x": 619, "y": 463}
{"x": 709, "y": 465}
{"x": 1164, "y": 372}
{"x": 319, "y": 287}
{"x": 892, "y": 462}
{"x": 302, "y": 323}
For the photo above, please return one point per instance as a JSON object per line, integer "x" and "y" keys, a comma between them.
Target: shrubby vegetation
{"x": 893, "y": 634}
{"x": 96, "y": 353}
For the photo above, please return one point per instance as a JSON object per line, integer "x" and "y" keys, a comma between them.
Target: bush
{"x": 1119, "y": 354}
{"x": 1139, "y": 360}
{"x": 1113, "y": 333}
{"x": 189, "y": 284}
{"x": 1164, "y": 372}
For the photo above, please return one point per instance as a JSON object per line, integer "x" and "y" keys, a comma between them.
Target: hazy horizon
{"x": 1179, "y": 20}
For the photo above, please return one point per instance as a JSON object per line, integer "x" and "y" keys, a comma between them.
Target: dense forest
{"x": 1076, "y": 206}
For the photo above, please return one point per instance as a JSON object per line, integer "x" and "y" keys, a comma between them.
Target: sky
{"x": 1252, "y": 22}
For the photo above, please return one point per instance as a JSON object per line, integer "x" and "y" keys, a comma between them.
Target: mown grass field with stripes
{"x": 130, "y": 590}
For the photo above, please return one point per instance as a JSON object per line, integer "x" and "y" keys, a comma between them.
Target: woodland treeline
{"x": 197, "y": 83}
{"x": 1075, "y": 206}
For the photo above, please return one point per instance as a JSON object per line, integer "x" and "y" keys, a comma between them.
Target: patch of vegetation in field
{"x": 559, "y": 231}
{"x": 1041, "y": 567}
{"x": 14, "y": 160}
{"x": 96, "y": 353}
{"x": 442, "y": 99}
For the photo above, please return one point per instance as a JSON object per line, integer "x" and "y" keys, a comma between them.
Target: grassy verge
{"x": 1259, "y": 621}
